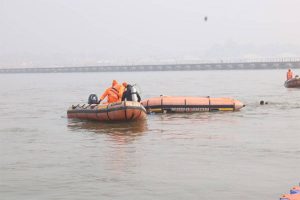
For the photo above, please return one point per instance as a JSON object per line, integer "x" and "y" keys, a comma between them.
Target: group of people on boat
{"x": 120, "y": 92}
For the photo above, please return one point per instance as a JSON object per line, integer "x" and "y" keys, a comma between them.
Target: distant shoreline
{"x": 163, "y": 67}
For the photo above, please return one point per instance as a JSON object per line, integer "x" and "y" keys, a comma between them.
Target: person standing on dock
{"x": 289, "y": 75}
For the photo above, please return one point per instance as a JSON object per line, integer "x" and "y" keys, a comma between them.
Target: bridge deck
{"x": 294, "y": 64}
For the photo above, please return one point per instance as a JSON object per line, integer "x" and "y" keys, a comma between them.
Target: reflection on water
{"x": 118, "y": 156}
{"x": 192, "y": 118}
{"x": 120, "y": 132}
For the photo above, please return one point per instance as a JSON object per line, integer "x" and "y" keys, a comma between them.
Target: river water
{"x": 251, "y": 154}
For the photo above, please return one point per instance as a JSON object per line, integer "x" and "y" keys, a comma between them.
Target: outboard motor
{"x": 93, "y": 99}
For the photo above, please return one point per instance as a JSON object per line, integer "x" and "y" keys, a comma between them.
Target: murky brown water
{"x": 251, "y": 154}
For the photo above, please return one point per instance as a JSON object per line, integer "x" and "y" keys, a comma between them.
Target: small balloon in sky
{"x": 205, "y": 18}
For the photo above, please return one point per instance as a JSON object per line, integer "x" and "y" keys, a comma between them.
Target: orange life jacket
{"x": 289, "y": 75}
{"x": 121, "y": 91}
{"x": 112, "y": 95}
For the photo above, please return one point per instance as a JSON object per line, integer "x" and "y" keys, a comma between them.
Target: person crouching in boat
{"x": 289, "y": 75}
{"x": 112, "y": 93}
{"x": 130, "y": 93}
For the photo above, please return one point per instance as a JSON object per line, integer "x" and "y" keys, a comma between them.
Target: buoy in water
{"x": 262, "y": 102}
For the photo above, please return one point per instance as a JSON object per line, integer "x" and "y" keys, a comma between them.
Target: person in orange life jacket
{"x": 289, "y": 74}
{"x": 112, "y": 93}
{"x": 130, "y": 93}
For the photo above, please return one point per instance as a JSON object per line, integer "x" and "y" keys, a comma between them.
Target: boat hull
{"x": 292, "y": 83}
{"x": 120, "y": 111}
{"x": 175, "y": 104}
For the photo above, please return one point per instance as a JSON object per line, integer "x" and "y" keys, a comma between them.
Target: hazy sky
{"x": 76, "y": 32}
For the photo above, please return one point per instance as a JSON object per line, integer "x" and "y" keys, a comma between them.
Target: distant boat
{"x": 292, "y": 83}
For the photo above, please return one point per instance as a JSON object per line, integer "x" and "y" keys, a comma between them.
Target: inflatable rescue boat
{"x": 119, "y": 111}
{"x": 173, "y": 104}
{"x": 292, "y": 83}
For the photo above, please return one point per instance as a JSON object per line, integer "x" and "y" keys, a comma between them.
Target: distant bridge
{"x": 275, "y": 63}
